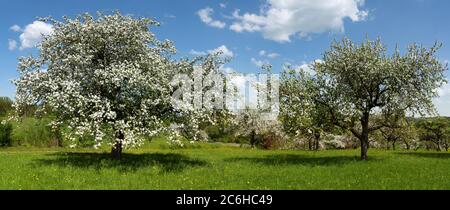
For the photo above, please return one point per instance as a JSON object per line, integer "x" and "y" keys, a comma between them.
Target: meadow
{"x": 220, "y": 166}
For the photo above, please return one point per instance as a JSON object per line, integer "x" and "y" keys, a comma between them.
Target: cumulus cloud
{"x": 305, "y": 66}
{"x": 227, "y": 70}
{"x": 443, "y": 100}
{"x": 282, "y": 19}
{"x": 442, "y": 106}
{"x": 444, "y": 90}
{"x": 32, "y": 34}
{"x": 197, "y": 53}
{"x": 264, "y": 53}
{"x": 225, "y": 52}
{"x": 12, "y": 44}
{"x": 246, "y": 87}
{"x": 247, "y": 93}
{"x": 259, "y": 63}
{"x": 15, "y": 28}
{"x": 222, "y": 49}
{"x": 205, "y": 17}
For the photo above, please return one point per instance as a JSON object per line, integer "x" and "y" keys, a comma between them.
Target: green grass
{"x": 215, "y": 166}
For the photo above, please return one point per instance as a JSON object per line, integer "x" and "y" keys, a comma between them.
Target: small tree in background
{"x": 261, "y": 132}
{"x": 437, "y": 131}
{"x": 396, "y": 129}
{"x": 300, "y": 115}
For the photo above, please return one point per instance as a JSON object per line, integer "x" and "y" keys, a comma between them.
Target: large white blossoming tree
{"x": 105, "y": 76}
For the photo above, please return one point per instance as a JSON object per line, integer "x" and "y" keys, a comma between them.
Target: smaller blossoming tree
{"x": 300, "y": 115}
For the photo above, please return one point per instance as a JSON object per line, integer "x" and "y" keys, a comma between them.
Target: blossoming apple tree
{"x": 105, "y": 76}
{"x": 356, "y": 82}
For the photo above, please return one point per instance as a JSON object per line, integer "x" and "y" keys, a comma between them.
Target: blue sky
{"x": 253, "y": 31}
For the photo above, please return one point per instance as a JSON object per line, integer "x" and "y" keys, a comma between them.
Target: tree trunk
{"x": 253, "y": 138}
{"x": 393, "y": 145}
{"x": 439, "y": 146}
{"x": 364, "y": 148}
{"x": 407, "y": 145}
{"x": 58, "y": 138}
{"x": 316, "y": 141}
{"x": 116, "y": 151}
{"x": 364, "y": 136}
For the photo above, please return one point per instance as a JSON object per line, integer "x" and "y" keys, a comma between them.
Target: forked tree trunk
{"x": 407, "y": 145}
{"x": 116, "y": 150}
{"x": 438, "y": 146}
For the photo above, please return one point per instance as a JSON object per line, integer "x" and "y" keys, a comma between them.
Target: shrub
{"x": 5, "y": 106}
{"x": 5, "y": 134}
{"x": 269, "y": 140}
{"x": 335, "y": 142}
{"x": 35, "y": 132}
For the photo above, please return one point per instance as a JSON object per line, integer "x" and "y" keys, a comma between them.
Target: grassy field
{"x": 214, "y": 166}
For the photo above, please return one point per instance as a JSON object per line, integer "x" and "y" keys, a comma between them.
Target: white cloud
{"x": 282, "y": 19}
{"x": 12, "y": 44}
{"x": 222, "y": 5}
{"x": 443, "y": 100}
{"x": 247, "y": 22}
{"x": 264, "y": 53}
{"x": 259, "y": 63}
{"x": 32, "y": 34}
{"x": 247, "y": 94}
{"x": 197, "y": 53}
{"x": 227, "y": 70}
{"x": 246, "y": 87}
{"x": 442, "y": 105}
{"x": 444, "y": 90}
{"x": 273, "y": 55}
{"x": 306, "y": 66}
{"x": 170, "y": 16}
{"x": 224, "y": 50}
{"x": 205, "y": 16}
{"x": 15, "y": 28}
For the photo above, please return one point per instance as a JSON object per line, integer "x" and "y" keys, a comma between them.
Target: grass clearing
{"x": 218, "y": 166}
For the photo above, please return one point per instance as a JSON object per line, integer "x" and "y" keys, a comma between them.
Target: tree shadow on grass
{"x": 129, "y": 162}
{"x": 302, "y": 160}
{"x": 443, "y": 155}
